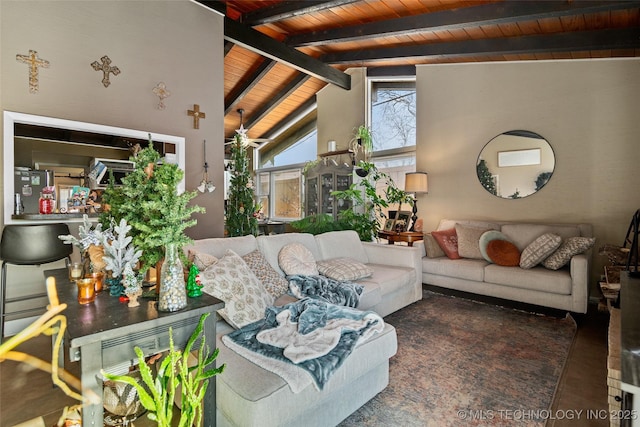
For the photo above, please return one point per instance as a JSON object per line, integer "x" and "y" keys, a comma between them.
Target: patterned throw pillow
{"x": 538, "y": 250}
{"x": 343, "y": 269}
{"x": 273, "y": 282}
{"x": 570, "y": 247}
{"x": 432, "y": 247}
{"x": 503, "y": 252}
{"x": 487, "y": 237}
{"x": 295, "y": 258}
{"x": 232, "y": 281}
{"x": 469, "y": 241}
{"x": 448, "y": 242}
{"x": 200, "y": 259}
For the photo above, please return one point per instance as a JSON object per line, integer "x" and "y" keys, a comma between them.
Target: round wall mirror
{"x": 515, "y": 164}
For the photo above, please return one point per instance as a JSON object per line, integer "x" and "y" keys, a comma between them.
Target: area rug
{"x": 462, "y": 362}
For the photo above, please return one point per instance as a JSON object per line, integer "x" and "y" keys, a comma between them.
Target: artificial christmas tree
{"x": 241, "y": 217}
{"x": 148, "y": 199}
{"x": 485, "y": 177}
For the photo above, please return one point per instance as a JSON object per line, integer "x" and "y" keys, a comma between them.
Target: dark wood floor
{"x": 27, "y": 394}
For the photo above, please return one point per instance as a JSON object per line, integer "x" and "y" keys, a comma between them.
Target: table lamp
{"x": 416, "y": 183}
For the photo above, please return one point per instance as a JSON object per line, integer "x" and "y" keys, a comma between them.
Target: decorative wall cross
{"x": 197, "y": 115}
{"x": 106, "y": 68}
{"x": 34, "y": 63}
{"x": 161, "y": 91}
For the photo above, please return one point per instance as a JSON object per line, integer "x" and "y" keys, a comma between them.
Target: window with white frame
{"x": 392, "y": 119}
{"x": 279, "y": 176}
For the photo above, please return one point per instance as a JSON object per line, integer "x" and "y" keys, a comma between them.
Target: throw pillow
{"x": 202, "y": 260}
{"x": 273, "y": 282}
{"x": 538, "y": 250}
{"x": 570, "y": 247}
{"x": 232, "y": 281}
{"x": 448, "y": 242}
{"x": 469, "y": 241}
{"x": 295, "y": 258}
{"x": 343, "y": 269}
{"x": 431, "y": 246}
{"x": 503, "y": 252}
{"x": 487, "y": 237}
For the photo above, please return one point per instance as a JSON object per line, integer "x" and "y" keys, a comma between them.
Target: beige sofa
{"x": 564, "y": 289}
{"x": 248, "y": 395}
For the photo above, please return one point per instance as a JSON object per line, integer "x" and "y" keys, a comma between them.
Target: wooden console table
{"x": 104, "y": 333}
{"x": 403, "y": 236}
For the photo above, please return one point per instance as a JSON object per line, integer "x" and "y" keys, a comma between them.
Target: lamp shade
{"x": 416, "y": 182}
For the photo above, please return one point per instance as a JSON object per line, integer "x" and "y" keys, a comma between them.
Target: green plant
{"x": 318, "y": 224}
{"x": 149, "y": 201}
{"x": 157, "y": 394}
{"x": 369, "y": 205}
{"x": 362, "y": 139}
{"x": 241, "y": 211}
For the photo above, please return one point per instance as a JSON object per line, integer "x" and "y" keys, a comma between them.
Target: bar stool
{"x": 29, "y": 245}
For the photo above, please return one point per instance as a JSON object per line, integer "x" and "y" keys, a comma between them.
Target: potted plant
{"x": 362, "y": 140}
{"x": 174, "y": 377}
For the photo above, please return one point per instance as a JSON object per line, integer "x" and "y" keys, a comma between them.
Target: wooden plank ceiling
{"x": 279, "y": 54}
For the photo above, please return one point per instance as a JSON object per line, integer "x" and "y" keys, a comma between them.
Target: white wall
{"x": 341, "y": 111}
{"x": 587, "y": 110}
{"x": 175, "y": 41}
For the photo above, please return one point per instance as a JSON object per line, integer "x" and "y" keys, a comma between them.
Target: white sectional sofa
{"x": 248, "y": 395}
{"x": 564, "y": 289}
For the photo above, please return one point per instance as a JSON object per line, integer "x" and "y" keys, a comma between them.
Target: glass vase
{"x": 173, "y": 295}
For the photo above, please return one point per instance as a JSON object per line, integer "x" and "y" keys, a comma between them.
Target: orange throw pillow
{"x": 448, "y": 242}
{"x": 504, "y": 253}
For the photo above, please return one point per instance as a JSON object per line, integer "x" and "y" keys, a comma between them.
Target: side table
{"x": 403, "y": 236}
{"x": 104, "y": 333}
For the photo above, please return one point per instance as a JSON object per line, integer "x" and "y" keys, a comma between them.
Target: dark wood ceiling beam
{"x": 264, "y": 45}
{"x": 624, "y": 38}
{"x": 276, "y": 99}
{"x": 236, "y": 95}
{"x": 488, "y": 14}
{"x": 290, "y": 9}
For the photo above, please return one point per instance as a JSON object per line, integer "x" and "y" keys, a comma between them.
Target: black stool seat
{"x": 29, "y": 245}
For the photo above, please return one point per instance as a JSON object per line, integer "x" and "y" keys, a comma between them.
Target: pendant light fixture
{"x": 205, "y": 184}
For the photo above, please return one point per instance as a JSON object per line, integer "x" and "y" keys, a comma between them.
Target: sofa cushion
{"x": 469, "y": 241}
{"x": 523, "y": 234}
{"x": 389, "y": 278}
{"x": 569, "y": 247}
{"x": 503, "y": 252}
{"x": 217, "y": 246}
{"x": 537, "y": 278}
{"x": 273, "y": 282}
{"x": 469, "y": 269}
{"x": 231, "y": 280}
{"x": 446, "y": 224}
{"x": 341, "y": 244}
{"x": 448, "y": 241}
{"x": 201, "y": 260}
{"x": 486, "y": 238}
{"x": 538, "y": 250}
{"x": 270, "y": 246}
{"x": 256, "y": 396}
{"x": 432, "y": 247}
{"x": 343, "y": 269}
{"x": 295, "y": 258}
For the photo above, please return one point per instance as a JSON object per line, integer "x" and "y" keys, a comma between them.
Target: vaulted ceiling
{"x": 279, "y": 54}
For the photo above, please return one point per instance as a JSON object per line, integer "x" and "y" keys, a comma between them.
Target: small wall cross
{"x": 106, "y": 68}
{"x": 34, "y": 63}
{"x": 197, "y": 115}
